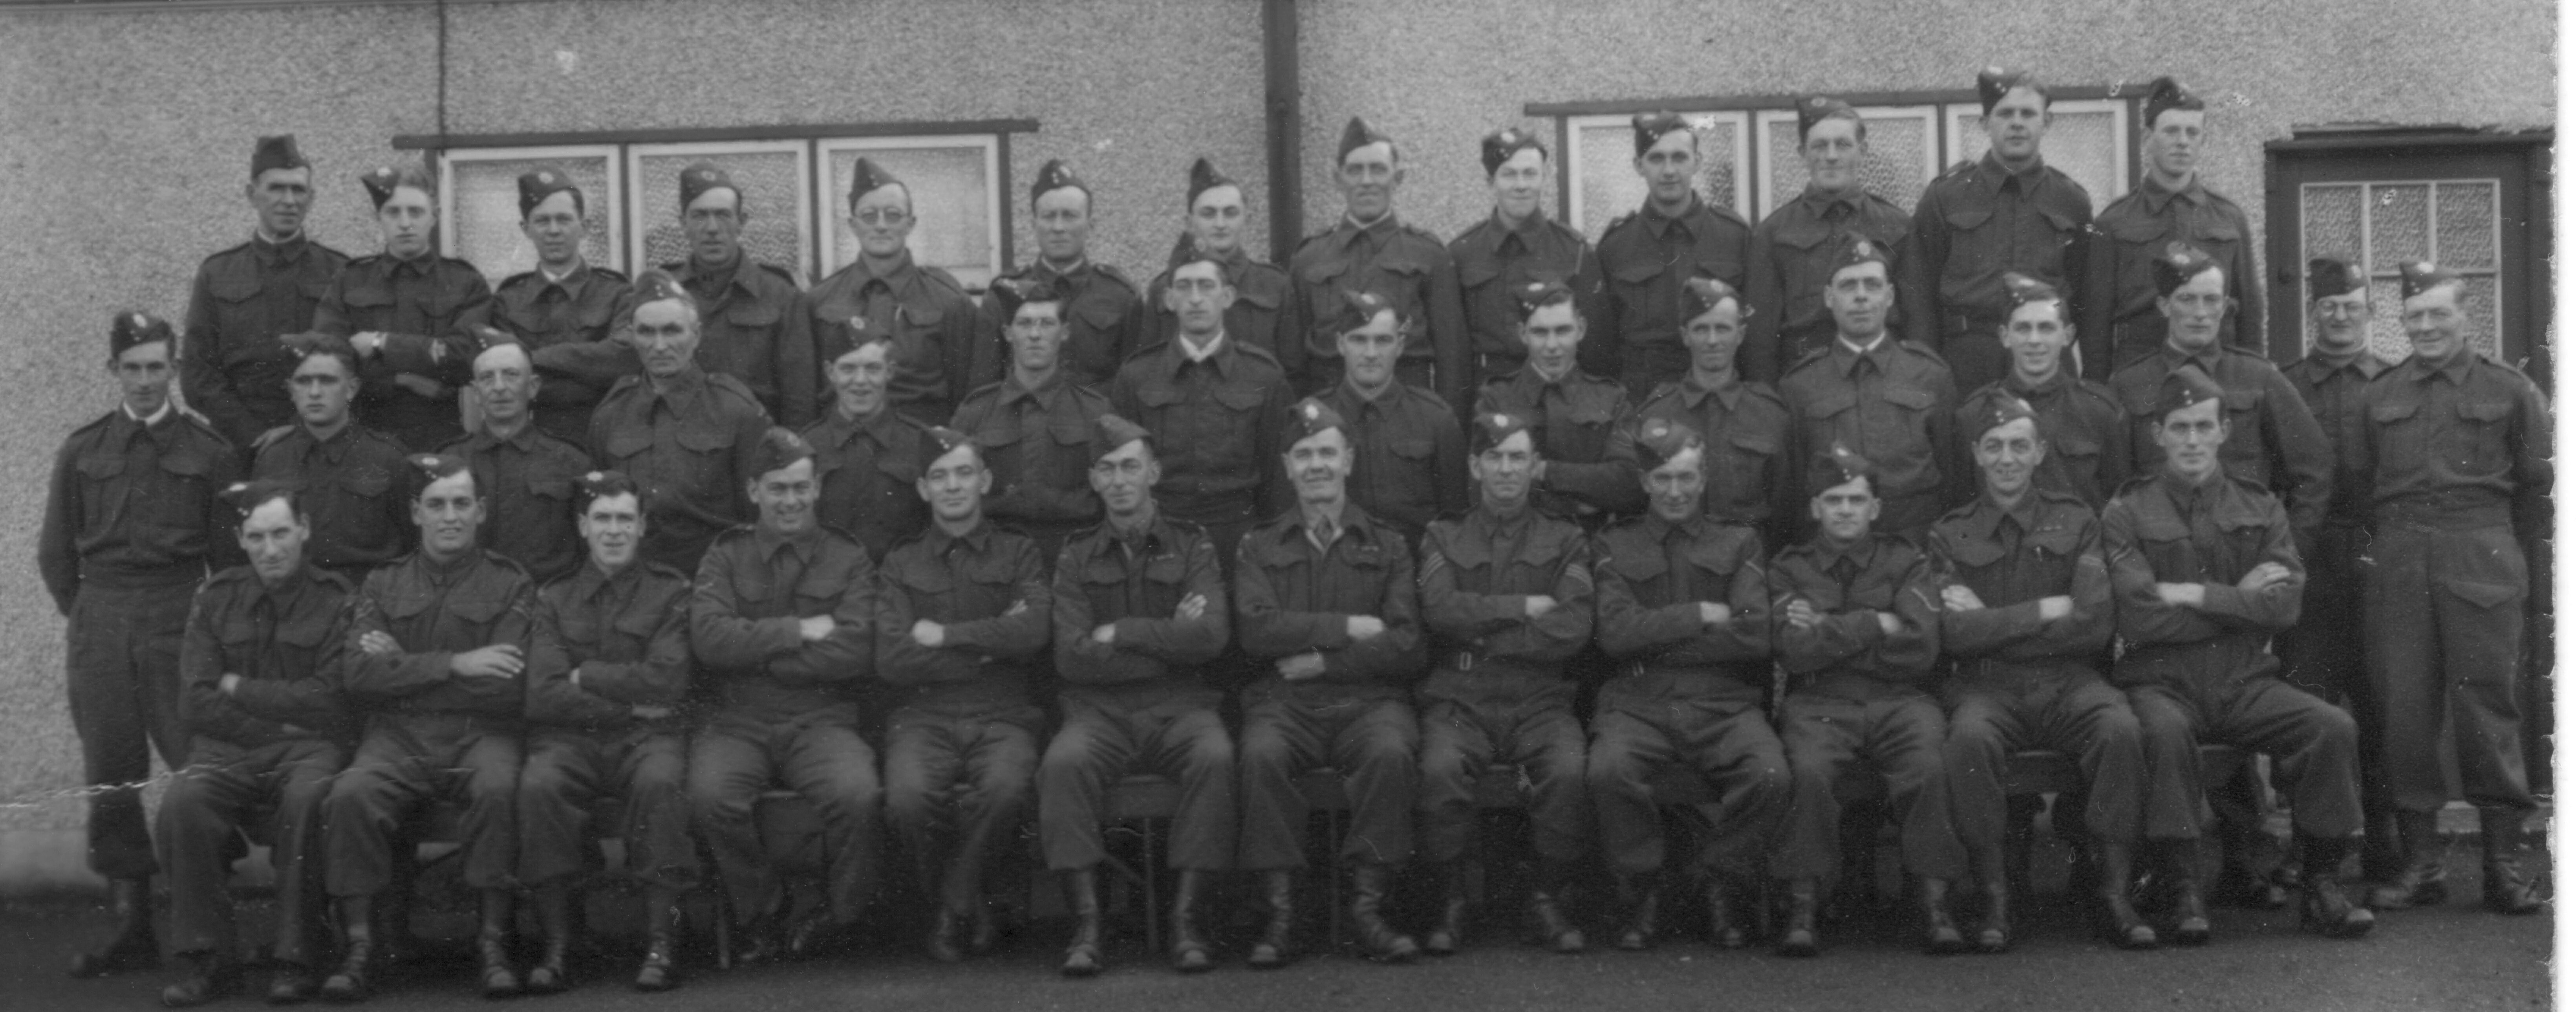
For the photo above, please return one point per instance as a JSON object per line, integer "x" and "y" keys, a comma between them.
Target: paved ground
{"x": 2453, "y": 958}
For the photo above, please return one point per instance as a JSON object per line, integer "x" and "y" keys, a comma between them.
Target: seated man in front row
{"x": 1324, "y": 595}
{"x": 2205, "y": 572}
{"x": 1859, "y": 629}
{"x": 1685, "y": 612}
{"x": 437, "y": 643}
{"x": 2026, "y": 614}
{"x": 608, "y": 670}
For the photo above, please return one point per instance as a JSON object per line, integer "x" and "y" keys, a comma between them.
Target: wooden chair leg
{"x": 1151, "y": 871}
{"x": 724, "y": 928}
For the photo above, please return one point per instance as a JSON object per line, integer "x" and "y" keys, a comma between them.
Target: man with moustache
{"x": 962, "y": 620}
{"x": 437, "y": 644}
{"x": 1888, "y": 399}
{"x": 866, "y": 455}
{"x": 684, "y": 435}
{"x": 357, "y": 489}
{"x": 1407, "y": 453}
{"x": 2006, "y": 211}
{"x": 1214, "y": 402}
{"x": 1647, "y": 254}
{"x": 1794, "y": 247}
{"x": 233, "y": 364}
{"x": 1370, "y": 249}
{"x": 1515, "y": 247}
{"x": 1744, "y": 460}
{"x": 526, "y": 473}
{"x": 923, "y": 310}
{"x": 746, "y": 308}
{"x": 267, "y": 731}
{"x": 1097, "y": 308}
{"x": 565, "y": 312}
{"x": 2122, "y": 323}
{"x": 2087, "y": 432}
{"x": 1212, "y": 225}
{"x": 404, "y": 311}
{"x": 132, "y": 525}
{"x": 1034, "y": 425}
{"x": 1573, "y": 416}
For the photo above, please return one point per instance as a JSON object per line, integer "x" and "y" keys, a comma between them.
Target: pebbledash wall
{"x": 125, "y": 130}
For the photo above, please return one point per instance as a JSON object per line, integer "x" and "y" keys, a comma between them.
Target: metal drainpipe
{"x": 1279, "y": 72}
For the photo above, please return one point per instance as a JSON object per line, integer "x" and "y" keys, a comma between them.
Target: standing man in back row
{"x": 232, "y": 365}
{"x": 1102, "y": 318}
{"x": 1516, "y": 246}
{"x": 2007, "y": 211}
{"x": 744, "y": 304}
{"x": 1795, "y": 247}
{"x": 1648, "y": 253}
{"x": 564, "y": 311}
{"x": 883, "y": 292}
{"x": 2121, "y": 324}
{"x": 1212, "y": 227}
{"x": 1371, "y": 250}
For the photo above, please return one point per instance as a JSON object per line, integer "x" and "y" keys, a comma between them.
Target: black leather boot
{"x": 1725, "y": 923}
{"x": 1637, "y": 911}
{"x": 1377, "y": 940}
{"x": 211, "y": 975}
{"x": 2182, "y": 879}
{"x": 2419, "y": 881}
{"x": 349, "y": 983}
{"x": 1082, "y": 896}
{"x": 2503, "y": 884}
{"x": 1189, "y": 947}
{"x": 1940, "y": 936}
{"x": 1450, "y": 935}
{"x": 1994, "y": 932}
{"x": 947, "y": 941}
{"x": 134, "y": 946}
{"x": 291, "y": 984}
{"x": 2118, "y": 918}
{"x": 492, "y": 946}
{"x": 2323, "y": 907}
{"x": 554, "y": 918}
{"x": 661, "y": 969}
{"x": 1547, "y": 915}
{"x": 1799, "y": 938}
{"x": 1271, "y": 951}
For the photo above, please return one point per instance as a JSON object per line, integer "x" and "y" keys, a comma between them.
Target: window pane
{"x": 2466, "y": 223}
{"x": 2478, "y": 313}
{"x": 2330, "y": 220}
{"x": 951, "y": 205}
{"x": 772, "y": 184}
{"x": 2083, "y": 143}
{"x": 484, "y": 224}
{"x": 1898, "y": 149}
{"x": 1611, "y": 186}
{"x": 2387, "y": 335}
{"x": 2397, "y": 224}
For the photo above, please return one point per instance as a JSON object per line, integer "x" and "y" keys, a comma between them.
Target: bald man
{"x": 526, "y": 474}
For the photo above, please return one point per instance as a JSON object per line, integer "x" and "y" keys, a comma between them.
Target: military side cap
{"x": 779, "y": 448}
{"x": 1056, "y": 175}
{"x": 2001, "y": 409}
{"x": 1857, "y": 250}
{"x": 133, "y": 327}
{"x": 2185, "y": 386}
{"x": 246, "y": 496}
{"x": 536, "y": 186}
{"x": 1699, "y": 295}
{"x": 1652, "y": 126}
{"x": 379, "y": 183}
{"x": 2332, "y": 276}
{"x": 275, "y": 152}
{"x": 2416, "y": 277}
{"x": 2180, "y": 263}
{"x": 1205, "y": 177}
{"x": 1490, "y": 428}
{"x": 2165, "y": 93}
{"x": 1539, "y": 295}
{"x": 1501, "y": 145}
{"x": 866, "y": 177}
{"x": 1358, "y": 308}
{"x": 1311, "y": 417}
{"x": 1660, "y": 439}
{"x": 654, "y": 286}
{"x": 314, "y": 342}
{"x": 598, "y": 485}
{"x": 701, "y": 177}
{"x": 1993, "y": 83}
{"x": 939, "y": 441}
{"x": 1839, "y": 465}
{"x": 1031, "y": 289}
{"x": 1110, "y": 433}
{"x": 1358, "y": 134}
{"x": 437, "y": 466}
{"x": 1819, "y": 109}
{"x": 2023, "y": 289}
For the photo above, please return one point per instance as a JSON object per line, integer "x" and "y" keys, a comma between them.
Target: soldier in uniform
{"x": 1507, "y": 599}
{"x": 1214, "y": 403}
{"x": 781, "y": 622}
{"x": 232, "y": 363}
{"x": 2122, "y": 320}
{"x": 1212, "y": 227}
{"x": 132, "y": 525}
{"x": 1101, "y": 317}
{"x": 2007, "y": 211}
{"x": 357, "y": 490}
{"x": 866, "y": 454}
{"x": 1034, "y": 425}
{"x": 1371, "y": 250}
{"x": 2088, "y": 449}
{"x": 404, "y": 310}
{"x": 1685, "y": 610}
{"x": 684, "y": 435}
{"x": 526, "y": 472}
{"x": 1744, "y": 461}
{"x": 1139, "y": 612}
{"x": 2455, "y": 458}
{"x": 1515, "y": 247}
{"x": 1795, "y": 247}
{"x": 2026, "y": 619}
{"x": 962, "y": 614}
{"x": 922, "y": 309}
{"x": 267, "y": 731}
{"x": 436, "y": 646}
{"x": 1572, "y": 415}
{"x": 748, "y": 309}
{"x": 1325, "y": 599}
{"x": 565, "y": 312}
{"x": 1408, "y": 458}
{"x": 1859, "y": 631}
{"x": 607, "y": 672}
{"x": 1648, "y": 253}
{"x": 1890, "y": 400}
{"x": 2204, "y": 571}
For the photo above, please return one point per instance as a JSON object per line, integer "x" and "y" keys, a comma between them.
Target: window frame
{"x": 830, "y": 209}
{"x": 1764, "y": 119}
{"x": 1570, "y": 165}
{"x": 615, "y": 198}
{"x": 635, "y": 154}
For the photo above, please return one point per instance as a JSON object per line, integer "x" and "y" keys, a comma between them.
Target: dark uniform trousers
{"x": 224, "y": 788}
{"x": 1364, "y": 732}
{"x": 1724, "y": 736}
{"x": 1854, "y": 701}
{"x": 1159, "y": 728}
{"x": 2070, "y": 710}
{"x": 2204, "y": 674}
{"x": 814, "y": 750}
{"x": 123, "y": 678}
{"x": 406, "y": 761}
{"x": 957, "y": 782}
{"x": 1525, "y": 721}
{"x": 2323, "y": 653}
{"x": 569, "y": 770}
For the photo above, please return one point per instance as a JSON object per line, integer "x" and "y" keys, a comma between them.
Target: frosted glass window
{"x": 957, "y": 217}
{"x": 2452, "y": 222}
{"x": 1903, "y": 156}
{"x": 1605, "y": 183}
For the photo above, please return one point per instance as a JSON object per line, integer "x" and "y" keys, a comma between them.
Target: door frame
{"x": 2523, "y": 322}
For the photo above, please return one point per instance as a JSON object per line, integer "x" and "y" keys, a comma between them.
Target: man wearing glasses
{"x": 921, "y": 309}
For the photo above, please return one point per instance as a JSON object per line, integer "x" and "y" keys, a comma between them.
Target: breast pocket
{"x": 239, "y": 313}
{"x": 2482, "y": 435}
{"x": 1747, "y": 466}
{"x": 2400, "y": 441}
{"x": 368, "y": 306}
{"x": 181, "y": 503}
{"x": 702, "y": 458}
{"x": 2079, "y": 461}
{"x": 101, "y": 495}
